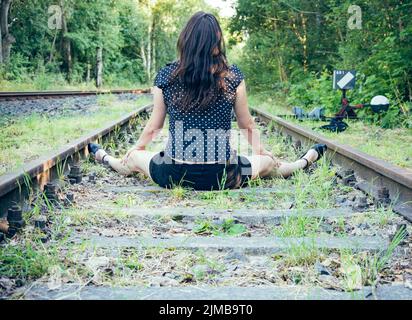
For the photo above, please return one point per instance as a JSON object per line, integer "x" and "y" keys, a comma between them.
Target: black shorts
{"x": 168, "y": 173}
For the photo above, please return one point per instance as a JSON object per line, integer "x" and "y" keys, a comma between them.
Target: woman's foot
{"x": 97, "y": 151}
{"x": 314, "y": 154}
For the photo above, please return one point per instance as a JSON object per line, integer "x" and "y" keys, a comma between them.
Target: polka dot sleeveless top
{"x": 199, "y": 135}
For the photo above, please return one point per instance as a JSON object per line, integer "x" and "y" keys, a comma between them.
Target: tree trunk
{"x": 149, "y": 54}
{"x": 144, "y": 58}
{"x": 153, "y": 55}
{"x": 53, "y": 47}
{"x": 67, "y": 49}
{"x": 99, "y": 67}
{"x": 88, "y": 73}
{"x": 304, "y": 42}
{"x": 1, "y": 43}
{"x": 6, "y": 38}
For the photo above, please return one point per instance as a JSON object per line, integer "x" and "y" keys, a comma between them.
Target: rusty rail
{"x": 42, "y": 170}
{"x": 9, "y": 96}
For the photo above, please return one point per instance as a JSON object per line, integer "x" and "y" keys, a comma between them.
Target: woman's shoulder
{"x": 235, "y": 75}
{"x": 164, "y": 75}
{"x": 234, "y": 68}
{"x": 169, "y": 67}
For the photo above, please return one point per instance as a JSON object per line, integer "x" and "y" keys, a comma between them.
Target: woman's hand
{"x": 135, "y": 148}
{"x": 264, "y": 152}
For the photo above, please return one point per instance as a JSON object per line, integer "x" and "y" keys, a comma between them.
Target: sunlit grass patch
{"x": 85, "y": 217}
{"x": 314, "y": 190}
{"x": 304, "y": 254}
{"x": 27, "y": 257}
{"x": 298, "y": 226}
{"x": 226, "y": 228}
{"x": 392, "y": 145}
{"x": 179, "y": 192}
{"x": 364, "y": 269}
{"x": 217, "y": 199}
{"x": 30, "y": 260}
{"x": 49, "y": 81}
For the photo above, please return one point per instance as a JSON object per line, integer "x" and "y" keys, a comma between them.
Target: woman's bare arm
{"x": 246, "y": 122}
{"x": 156, "y": 121}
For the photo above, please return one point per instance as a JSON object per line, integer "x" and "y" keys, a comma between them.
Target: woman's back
{"x": 198, "y": 134}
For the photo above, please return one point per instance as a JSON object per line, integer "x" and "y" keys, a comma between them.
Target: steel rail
{"x": 372, "y": 173}
{"x": 9, "y": 96}
{"x": 40, "y": 170}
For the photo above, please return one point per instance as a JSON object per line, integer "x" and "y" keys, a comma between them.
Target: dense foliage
{"x": 136, "y": 36}
{"x": 293, "y": 46}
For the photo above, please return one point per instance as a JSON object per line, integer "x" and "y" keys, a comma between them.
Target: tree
{"x": 6, "y": 38}
{"x": 289, "y": 41}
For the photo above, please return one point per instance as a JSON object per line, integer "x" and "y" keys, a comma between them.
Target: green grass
{"x": 27, "y": 258}
{"x": 314, "y": 190}
{"x": 228, "y": 228}
{"x": 82, "y": 217}
{"x": 57, "y": 82}
{"x": 28, "y": 138}
{"x": 305, "y": 254}
{"x": 364, "y": 269}
{"x": 30, "y": 260}
{"x": 299, "y": 226}
{"x": 392, "y": 145}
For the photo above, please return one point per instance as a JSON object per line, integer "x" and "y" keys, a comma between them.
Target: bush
{"x": 314, "y": 90}
{"x": 16, "y": 70}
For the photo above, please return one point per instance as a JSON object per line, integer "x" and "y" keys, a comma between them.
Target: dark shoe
{"x": 320, "y": 148}
{"x": 93, "y": 148}
{"x": 335, "y": 125}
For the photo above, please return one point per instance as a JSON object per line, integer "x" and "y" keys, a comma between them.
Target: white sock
{"x": 100, "y": 154}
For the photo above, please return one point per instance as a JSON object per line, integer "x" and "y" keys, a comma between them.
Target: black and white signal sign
{"x": 344, "y": 79}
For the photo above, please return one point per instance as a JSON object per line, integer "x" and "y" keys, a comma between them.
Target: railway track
{"x": 10, "y": 96}
{"x": 374, "y": 176}
{"x": 97, "y": 235}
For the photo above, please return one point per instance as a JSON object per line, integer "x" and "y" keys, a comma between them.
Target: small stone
{"x": 40, "y": 222}
{"x": 408, "y": 281}
{"x": 202, "y": 269}
{"x": 163, "y": 282}
{"x": 172, "y": 275}
{"x": 330, "y": 282}
{"x": 327, "y": 262}
{"x": 6, "y": 284}
{"x": 364, "y": 226}
{"x": 361, "y": 203}
{"x": 321, "y": 269}
{"x": 327, "y": 227}
{"x": 96, "y": 263}
{"x": 340, "y": 199}
{"x": 347, "y": 203}
{"x": 236, "y": 255}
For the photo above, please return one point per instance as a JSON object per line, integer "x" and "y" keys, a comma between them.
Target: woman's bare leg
{"x": 137, "y": 161}
{"x": 265, "y": 166}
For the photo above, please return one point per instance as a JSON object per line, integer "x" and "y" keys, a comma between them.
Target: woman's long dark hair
{"x": 202, "y": 62}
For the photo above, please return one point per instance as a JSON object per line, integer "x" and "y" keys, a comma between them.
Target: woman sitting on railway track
{"x": 199, "y": 92}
